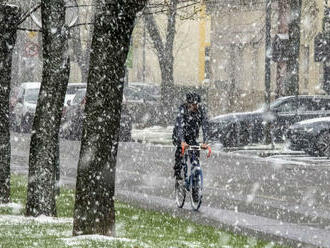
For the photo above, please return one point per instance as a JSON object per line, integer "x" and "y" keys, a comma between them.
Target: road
{"x": 249, "y": 193}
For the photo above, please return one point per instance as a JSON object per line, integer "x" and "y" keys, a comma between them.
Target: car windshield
{"x": 281, "y": 104}
{"x": 31, "y": 95}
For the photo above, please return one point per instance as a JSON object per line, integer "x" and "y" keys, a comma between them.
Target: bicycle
{"x": 193, "y": 180}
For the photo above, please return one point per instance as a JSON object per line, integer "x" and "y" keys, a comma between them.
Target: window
{"x": 325, "y": 104}
{"x": 307, "y": 104}
{"x": 288, "y": 106}
{"x": 73, "y": 89}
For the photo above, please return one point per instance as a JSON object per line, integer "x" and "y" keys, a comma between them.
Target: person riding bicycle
{"x": 192, "y": 115}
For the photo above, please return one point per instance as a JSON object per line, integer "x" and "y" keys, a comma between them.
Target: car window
{"x": 71, "y": 90}
{"x": 315, "y": 104}
{"x": 324, "y": 104}
{"x": 287, "y": 106}
{"x": 307, "y": 104}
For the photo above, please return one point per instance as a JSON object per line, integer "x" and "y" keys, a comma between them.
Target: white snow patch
{"x": 191, "y": 244}
{"x": 79, "y": 239}
{"x": 16, "y": 219}
{"x": 190, "y": 229}
{"x": 154, "y": 134}
{"x": 16, "y": 207}
{"x": 98, "y": 238}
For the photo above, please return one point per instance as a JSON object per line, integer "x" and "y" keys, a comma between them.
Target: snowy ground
{"x": 256, "y": 179}
{"x": 155, "y": 134}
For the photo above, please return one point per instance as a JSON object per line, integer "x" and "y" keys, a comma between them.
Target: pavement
{"x": 273, "y": 194}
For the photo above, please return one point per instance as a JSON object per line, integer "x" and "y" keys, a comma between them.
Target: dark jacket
{"x": 188, "y": 123}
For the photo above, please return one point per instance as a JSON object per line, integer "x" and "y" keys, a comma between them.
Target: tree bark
{"x": 292, "y": 83}
{"x": 9, "y": 16}
{"x": 94, "y": 206}
{"x": 283, "y": 28}
{"x": 81, "y": 56}
{"x": 44, "y": 139}
{"x": 165, "y": 55}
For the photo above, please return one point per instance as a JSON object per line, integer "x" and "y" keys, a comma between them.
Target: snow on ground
{"x": 19, "y": 219}
{"x": 73, "y": 241}
{"x": 16, "y": 207}
{"x": 14, "y": 220}
{"x": 154, "y": 134}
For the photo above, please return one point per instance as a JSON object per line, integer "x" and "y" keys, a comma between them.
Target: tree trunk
{"x": 94, "y": 206}
{"x": 165, "y": 56}
{"x": 283, "y": 28}
{"x": 9, "y": 15}
{"x": 44, "y": 139}
{"x": 81, "y": 55}
{"x": 292, "y": 86}
{"x": 167, "y": 89}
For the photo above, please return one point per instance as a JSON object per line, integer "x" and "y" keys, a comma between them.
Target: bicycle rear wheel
{"x": 180, "y": 193}
{"x": 196, "y": 191}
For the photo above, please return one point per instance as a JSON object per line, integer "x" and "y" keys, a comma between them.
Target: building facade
{"x": 144, "y": 65}
{"x": 237, "y": 53}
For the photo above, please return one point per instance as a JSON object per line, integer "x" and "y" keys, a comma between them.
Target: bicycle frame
{"x": 193, "y": 180}
{"x": 195, "y": 169}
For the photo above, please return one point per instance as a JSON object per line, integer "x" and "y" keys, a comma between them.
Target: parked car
{"x": 73, "y": 118}
{"x": 311, "y": 136}
{"x": 24, "y": 106}
{"x": 237, "y": 129}
{"x": 23, "y": 102}
{"x": 150, "y": 89}
{"x": 142, "y": 101}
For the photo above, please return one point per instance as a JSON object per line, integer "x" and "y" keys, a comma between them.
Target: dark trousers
{"x": 179, "y": 159}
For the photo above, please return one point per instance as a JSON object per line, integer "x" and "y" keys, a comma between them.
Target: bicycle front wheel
{"x": 197, "y": 191}
{"x": 180, "y": 193}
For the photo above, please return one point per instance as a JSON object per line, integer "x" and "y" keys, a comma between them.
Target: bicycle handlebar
{"x": 196, "y": 148}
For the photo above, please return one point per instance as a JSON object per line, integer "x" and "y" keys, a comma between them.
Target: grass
{"x": 135, "y": 228}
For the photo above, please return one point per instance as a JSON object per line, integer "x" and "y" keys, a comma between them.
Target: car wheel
{"x": 323, "y": 144}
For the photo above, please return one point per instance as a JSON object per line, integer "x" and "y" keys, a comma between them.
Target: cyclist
{"x": 192, "y": 115}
